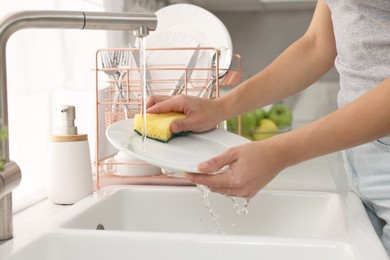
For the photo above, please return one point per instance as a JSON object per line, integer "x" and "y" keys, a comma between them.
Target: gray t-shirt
{"x": 362, "y": 32}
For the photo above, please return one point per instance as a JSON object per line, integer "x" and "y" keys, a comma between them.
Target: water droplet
{"x": 206, "y": 201}
{"x": 239, "y": 209}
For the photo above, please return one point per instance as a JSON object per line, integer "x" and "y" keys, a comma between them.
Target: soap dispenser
{"x": 69, "y": 162}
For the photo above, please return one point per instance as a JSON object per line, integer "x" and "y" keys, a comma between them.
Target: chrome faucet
{"x": 140, "y": 23}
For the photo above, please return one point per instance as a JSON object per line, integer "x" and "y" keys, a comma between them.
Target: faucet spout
{"x": 47, "y": 19}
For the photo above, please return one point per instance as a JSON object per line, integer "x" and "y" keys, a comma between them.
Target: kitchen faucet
{"x": 140, "y": 23}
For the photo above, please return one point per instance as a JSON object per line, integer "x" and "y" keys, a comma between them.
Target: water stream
{"x": 206, "y": 201}
{"x": 239, "y": 209}
{"x": 142, "y": 62}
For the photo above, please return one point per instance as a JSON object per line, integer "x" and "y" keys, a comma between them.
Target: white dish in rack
{"x": 129, "y": 165}
{"x": 168, "y": 65}
{"x": 201, "y": 25}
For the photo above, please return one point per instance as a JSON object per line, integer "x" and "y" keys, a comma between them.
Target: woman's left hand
{"x": 251, "y": 167}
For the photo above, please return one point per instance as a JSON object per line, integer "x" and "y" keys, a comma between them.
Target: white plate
{"x": 182, "y": 153}
{"x": 200, "y": 24}
{"x": 160, "y": 60}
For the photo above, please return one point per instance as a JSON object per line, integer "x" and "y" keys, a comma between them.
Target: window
{"x": 47, "y": 69}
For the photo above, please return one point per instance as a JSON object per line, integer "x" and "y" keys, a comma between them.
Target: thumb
{"x": 181, "y": 125}
{"x": 216, "y": 163}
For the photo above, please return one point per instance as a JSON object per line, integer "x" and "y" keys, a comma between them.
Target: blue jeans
{"x": 368, "y": 166}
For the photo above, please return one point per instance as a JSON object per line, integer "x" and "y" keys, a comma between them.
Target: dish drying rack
{"x": 118, "y": 95}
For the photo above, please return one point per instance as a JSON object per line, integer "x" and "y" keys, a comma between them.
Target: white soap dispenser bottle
{"x": 69, "y": 162}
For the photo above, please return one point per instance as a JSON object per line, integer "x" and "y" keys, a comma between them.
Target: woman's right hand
{"x": 202, "y": 114}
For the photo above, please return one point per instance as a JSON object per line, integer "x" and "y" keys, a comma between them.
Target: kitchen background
{"x": 50, "y": 68}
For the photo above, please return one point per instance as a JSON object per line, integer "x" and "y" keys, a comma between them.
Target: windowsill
{"x": 26, "y": 202}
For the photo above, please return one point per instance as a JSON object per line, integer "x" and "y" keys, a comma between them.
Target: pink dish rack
{"x": 120, "y": 103}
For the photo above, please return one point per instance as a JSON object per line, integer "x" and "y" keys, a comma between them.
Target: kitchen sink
{"x": 101, "y": 245}
{"x": 181, "y": 210}
{"x": 173, "y": 222}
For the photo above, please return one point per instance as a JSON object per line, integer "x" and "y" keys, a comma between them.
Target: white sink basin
{"x": 160, "y": 222}
{"x": 101, "y": 245}
{"x": 182, "y": 210}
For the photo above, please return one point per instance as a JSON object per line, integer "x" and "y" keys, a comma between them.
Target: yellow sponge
{"x": 158, "y": 126}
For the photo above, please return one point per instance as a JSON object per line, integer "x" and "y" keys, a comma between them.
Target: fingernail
{"x": 204, "y": 165}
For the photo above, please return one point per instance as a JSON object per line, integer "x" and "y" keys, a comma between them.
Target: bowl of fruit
{"x": 261, "y": 123}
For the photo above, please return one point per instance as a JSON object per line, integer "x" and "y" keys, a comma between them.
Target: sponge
{"x": 158, "y": 126}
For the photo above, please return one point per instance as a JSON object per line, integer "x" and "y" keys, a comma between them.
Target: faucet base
{"x": 6, "y": 231}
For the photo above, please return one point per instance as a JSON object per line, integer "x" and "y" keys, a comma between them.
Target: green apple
{"x": 281, "y": 115}
{"x": 232, "y": 124}
{"x": 248, "y": 136}
{"x": 266, "y": 129}
{"x": 248, "y": 122}
{"x": 260, "y": 114}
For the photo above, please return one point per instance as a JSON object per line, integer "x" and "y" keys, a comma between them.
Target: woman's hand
{"x": 251, "y": 167}
{"x": 202, "y": 114}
